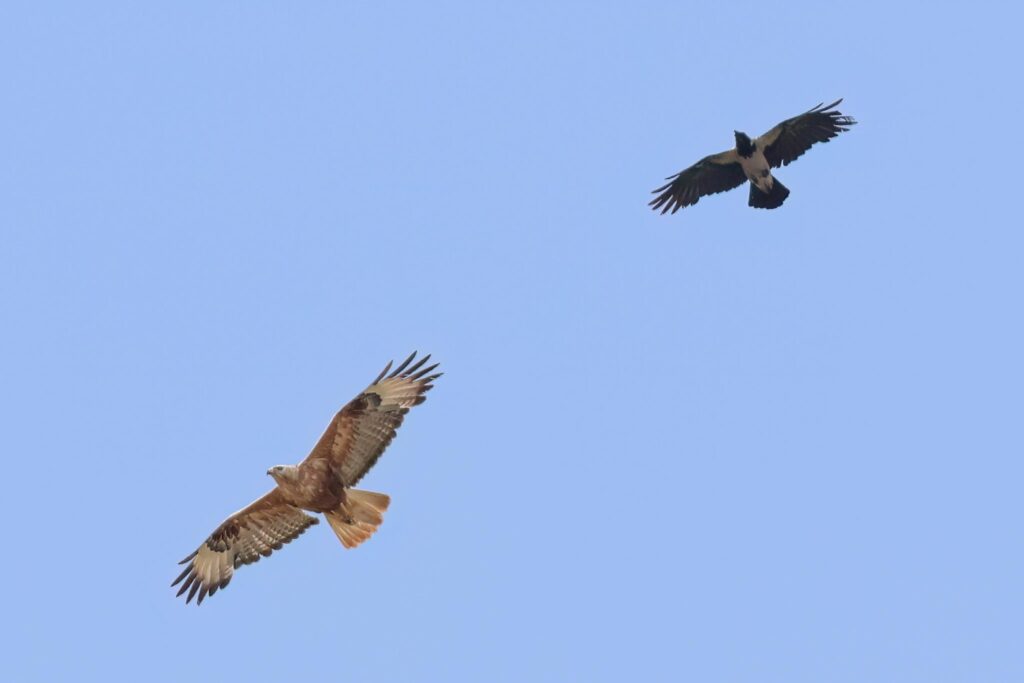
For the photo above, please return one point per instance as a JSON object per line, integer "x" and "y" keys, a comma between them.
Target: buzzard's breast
{"x": 315, "y": 488}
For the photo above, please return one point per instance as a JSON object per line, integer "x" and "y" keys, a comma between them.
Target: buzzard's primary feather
{"x": 354, "y": 440}
{"x": 243, "y": 538}
{"x": 359, "y": 433}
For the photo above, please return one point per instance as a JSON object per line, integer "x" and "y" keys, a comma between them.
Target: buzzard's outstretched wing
{"x": 244, "y": 537}
{"x": 710, "y": 175}
{"x": 786, "y": 142}
{"x": 360, "y": 432}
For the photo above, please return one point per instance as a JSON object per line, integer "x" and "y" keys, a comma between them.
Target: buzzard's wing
{"x": 786, "y": 142}
{"x": 710, "y": 175}
{"x": 360, "y": 432}
{"x": 244, "y": 537}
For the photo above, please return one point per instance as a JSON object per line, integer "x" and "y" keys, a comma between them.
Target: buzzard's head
{"x": 744, "y": 146}
{"x": 282, "y": 472}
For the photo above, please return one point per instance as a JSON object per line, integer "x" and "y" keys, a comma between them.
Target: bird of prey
{"x": 753, "y": 160}
{"x": 354, "y": 440}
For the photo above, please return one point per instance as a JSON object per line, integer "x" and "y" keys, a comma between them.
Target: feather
{"x": 711, "y": 175}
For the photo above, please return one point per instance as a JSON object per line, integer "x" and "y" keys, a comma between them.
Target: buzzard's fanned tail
{"x": 358, "y": 517}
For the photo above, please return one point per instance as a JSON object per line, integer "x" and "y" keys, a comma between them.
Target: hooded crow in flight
{"x": 753, "y": 160}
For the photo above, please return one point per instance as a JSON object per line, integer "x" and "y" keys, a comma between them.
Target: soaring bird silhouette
{"x": 323, "y": 482}
{"x": 753, "y": 160}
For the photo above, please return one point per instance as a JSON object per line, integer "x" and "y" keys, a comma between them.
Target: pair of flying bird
{"x": 362, "y": 430}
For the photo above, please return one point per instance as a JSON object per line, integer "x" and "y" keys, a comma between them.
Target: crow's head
{"x": 744, "y": 147}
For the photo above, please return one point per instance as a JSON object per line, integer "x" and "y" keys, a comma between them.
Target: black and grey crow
{"x": 753, "y": 160}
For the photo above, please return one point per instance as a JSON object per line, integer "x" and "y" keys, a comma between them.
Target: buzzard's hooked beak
{"x": 270, "y": 470}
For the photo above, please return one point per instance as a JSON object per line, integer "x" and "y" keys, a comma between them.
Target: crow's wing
{"x": 786, "y": 142}
{"x": 711, "y": 175}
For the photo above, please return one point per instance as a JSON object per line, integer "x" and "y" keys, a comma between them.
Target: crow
{"x": 753, "y": 160}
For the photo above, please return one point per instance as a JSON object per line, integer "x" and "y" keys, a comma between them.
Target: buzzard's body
{"x": 313, "y": 488}
{"x": 355, "y": 439}
{"x": 752, "y": 160}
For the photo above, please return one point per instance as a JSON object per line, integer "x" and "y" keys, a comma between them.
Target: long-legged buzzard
{"x": 323, "y": 482}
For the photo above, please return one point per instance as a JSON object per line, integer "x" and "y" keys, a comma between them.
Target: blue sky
{"x": 725, "y": 445}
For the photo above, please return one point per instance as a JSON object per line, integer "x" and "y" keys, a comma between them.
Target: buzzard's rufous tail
{"x": 358, "y": 517}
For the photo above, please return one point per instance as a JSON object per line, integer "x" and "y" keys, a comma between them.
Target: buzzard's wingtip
{"x": 397, "y": 371}
{"x": 185, "y": 586}
{"x": 425, "y": 371}
{"x": 382, "y": 373}
{"x": 181, "y": 576}
{"x": 418, "y": 365}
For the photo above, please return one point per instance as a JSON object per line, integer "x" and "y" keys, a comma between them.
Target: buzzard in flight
{"x": 323, "y": 482}
{"x": 753, "y": 160}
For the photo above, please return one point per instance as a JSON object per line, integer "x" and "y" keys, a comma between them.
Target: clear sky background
{"x": 725, "y": 445}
